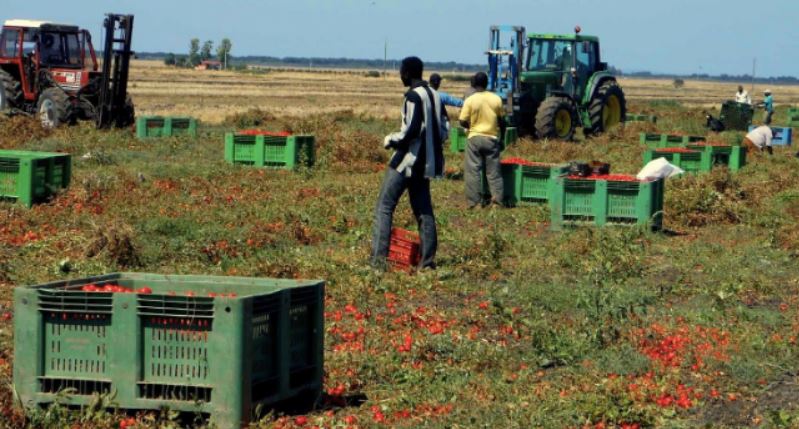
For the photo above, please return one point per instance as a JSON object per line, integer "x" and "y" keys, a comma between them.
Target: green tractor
{"x": 554, "y": 83}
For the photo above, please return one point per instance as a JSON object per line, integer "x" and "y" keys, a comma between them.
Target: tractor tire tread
{"x": 12, "y": 90}
{"x": 545, "y": 117}
{"x": 598, "y": 102}
{"x": 60, "y": 100}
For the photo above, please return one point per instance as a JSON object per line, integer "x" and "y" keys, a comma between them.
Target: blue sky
{"x": 676, "y": 36}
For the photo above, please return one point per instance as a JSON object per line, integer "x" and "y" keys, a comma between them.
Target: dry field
{"x": 212, "y": 95}
{"x": 519, "y": 327}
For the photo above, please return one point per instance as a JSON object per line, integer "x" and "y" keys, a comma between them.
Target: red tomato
{"x": 145, "y": 291}
{"x": 189, "y": 293}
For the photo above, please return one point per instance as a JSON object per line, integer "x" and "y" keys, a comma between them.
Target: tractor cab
{"x": 27, "y": 48}
{"x": 565, "y": 62}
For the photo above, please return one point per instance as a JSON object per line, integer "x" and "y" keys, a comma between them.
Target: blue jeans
{"x": 394, "y": 185}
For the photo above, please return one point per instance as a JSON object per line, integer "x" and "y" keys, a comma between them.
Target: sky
{"x": 668, "y": 36}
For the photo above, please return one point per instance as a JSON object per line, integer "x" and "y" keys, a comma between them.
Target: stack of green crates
{"x": 165, "y": 126}
{"x": 600, "y": 202}
{"x": 458, "y": 138}
{"x": 272, "y": 151}
{"x": 30, "y": 177}
{"x": 734, "y": 157}
{"x": 631, "y": 117}
{"x": 654, "y": 141}
{"x": 691, "y": 161}
{"x": 222, "y": 346}
{"x": 526, "y": 183}
{"x": 736, "y": 116}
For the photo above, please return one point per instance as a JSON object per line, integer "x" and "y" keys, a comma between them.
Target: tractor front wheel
{"x": 10, "y": 91}
{"x": 52, "y": 108}
{"x": 556, "y": 118}
{"x": 608, "y": 107}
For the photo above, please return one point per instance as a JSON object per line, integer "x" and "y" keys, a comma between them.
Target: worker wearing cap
{"x": 742, "y": 96}
{"x": 760, "y": 138}
{"x": 768, "y": 106}
{"x": 483, "y": 114}
{"x": 446, "y": 99}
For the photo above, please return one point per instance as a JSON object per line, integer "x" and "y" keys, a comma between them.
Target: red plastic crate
{"x": 404, "y": 249}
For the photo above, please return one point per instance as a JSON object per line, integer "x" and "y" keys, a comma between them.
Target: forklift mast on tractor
{"x": 52, "y": 70}
{"x": 554, "y": 83}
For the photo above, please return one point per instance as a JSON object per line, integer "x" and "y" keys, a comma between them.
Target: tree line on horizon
{"x": 199, "y": 53}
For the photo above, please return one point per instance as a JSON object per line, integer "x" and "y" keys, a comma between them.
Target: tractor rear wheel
{"x": 556, "y": 118}
{"x": 10, "y": 91}
{"x": 608, "y": 108}
{"x": 52, "y": 108}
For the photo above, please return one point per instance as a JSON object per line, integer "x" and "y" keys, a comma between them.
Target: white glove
{"x": 387, "y": 142}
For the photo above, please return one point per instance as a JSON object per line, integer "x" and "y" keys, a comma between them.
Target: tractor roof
{"x": 44, "y": 25}
{"x": 570, "y": 37}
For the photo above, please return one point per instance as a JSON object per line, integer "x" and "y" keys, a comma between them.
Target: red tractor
{"x": 52, "y": 70}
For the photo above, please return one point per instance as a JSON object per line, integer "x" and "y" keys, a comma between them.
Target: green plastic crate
{"x": 601, "y": 202}
{"x": 270, "y": 151}
{"x": 31, "y": 177}
{"x": 526, "y": 184}
{"x": 221, "y": 356}
{"x": 631, "y": 117}
{"x": 694, "y": 161}
{"x": 458, "y": 139}
{"x": 793, "y": 111}
{"x": 654, "y": 141}
{"x": 793, "y": 120}
{"x": 165, "y": 126}
{"x": 734, "y": 157}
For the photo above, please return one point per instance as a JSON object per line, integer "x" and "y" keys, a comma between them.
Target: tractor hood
{"x": 541, "y": 77}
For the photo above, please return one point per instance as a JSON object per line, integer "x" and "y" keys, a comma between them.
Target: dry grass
{"x": 213, "y": 95}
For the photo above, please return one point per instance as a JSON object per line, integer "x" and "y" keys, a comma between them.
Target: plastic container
{"x": 654, "y": 141}
{"x": 31, "y": 177}
{"x": 197, "y": 344}
{"x": 404, "y": 249}
{"x": 525, "y": 182}
{"x": 692, "y": 161}
{"x": 602, "y": 200}
{"x": 273, "y": 151}
{"x": 165, "y": 126}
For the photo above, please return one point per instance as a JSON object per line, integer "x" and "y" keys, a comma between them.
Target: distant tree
{"x": 205, "y": 52}
{"x": 170, "y": 60}
{"x": 194, "y": 53}
{"x": 678, "y": 83}
{"x": 223, "y": 51}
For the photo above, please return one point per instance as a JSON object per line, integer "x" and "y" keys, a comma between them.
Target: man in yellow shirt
{"x": 484, "y": 116}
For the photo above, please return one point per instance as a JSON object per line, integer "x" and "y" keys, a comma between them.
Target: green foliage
{"x": 194, "y": 53}
{"x": 206, "y": 52}
{"x": 223, "y": 51}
